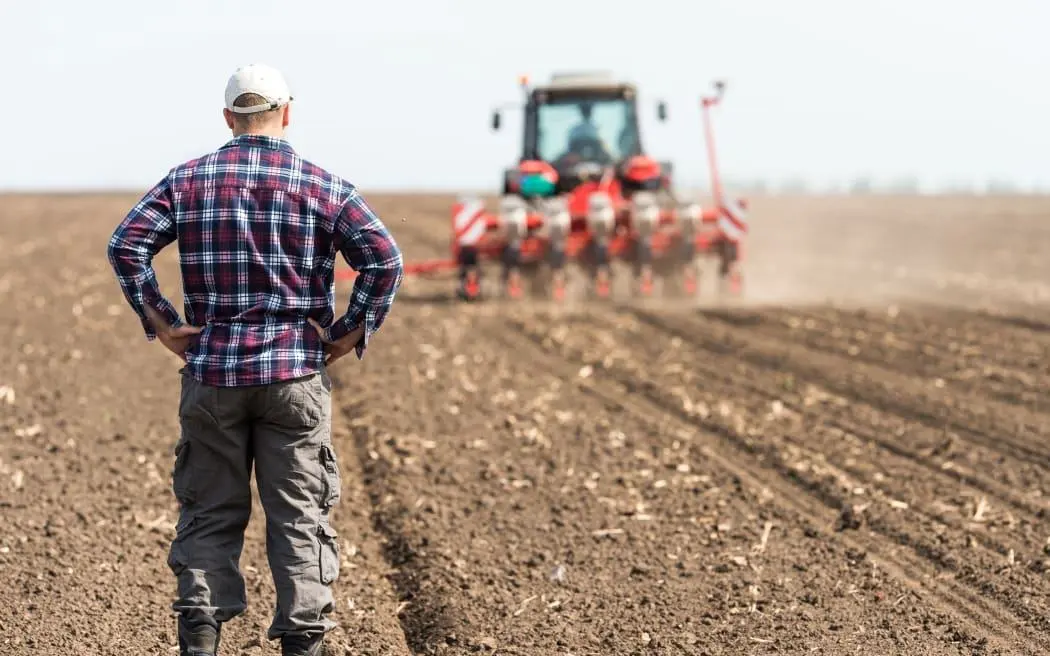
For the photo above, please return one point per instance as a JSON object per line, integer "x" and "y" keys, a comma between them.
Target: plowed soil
{"x": 855, "y": 459}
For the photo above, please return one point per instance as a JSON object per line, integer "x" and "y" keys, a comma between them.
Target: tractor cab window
{"x": 590, "y": 130}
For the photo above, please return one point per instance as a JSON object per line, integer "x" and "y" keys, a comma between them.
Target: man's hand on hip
{"x": 176, "y": 340}
{"x": 340, "y": 347}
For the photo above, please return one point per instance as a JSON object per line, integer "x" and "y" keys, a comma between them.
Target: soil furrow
{"x": 896, "y": 457}
{"x": 397, "y": 485}
{"x": 935, "y": 450}
{"x": 1000, "y": 544}
{"x": 1010, "y": 429}
{"x": 934, "y": 328}
{"x": 572, "y": 466}
{"x": 424, "y": 619}
{"x": 1039, "y": 326}
{"x": 1021, "y": 484}
{"x": 1014, "y": 534}
{"x": 1001, "y": 370}
{"x": 832, "y": 508}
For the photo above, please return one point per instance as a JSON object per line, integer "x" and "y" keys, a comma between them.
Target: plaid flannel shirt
{"x": 258, "y": 230}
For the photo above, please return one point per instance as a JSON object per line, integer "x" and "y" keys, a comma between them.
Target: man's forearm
{"x": 158, "y": 321}
{"x": 370, "y": 302}
{"x": 144, "y": 231}
{"x": 138, "y": 283}
{"x": 371, "y": 251}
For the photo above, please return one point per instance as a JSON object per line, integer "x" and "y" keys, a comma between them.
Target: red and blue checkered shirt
{"x": 258, "y": 230}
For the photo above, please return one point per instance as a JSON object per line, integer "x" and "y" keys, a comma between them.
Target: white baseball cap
{"x": 261, "y": 80}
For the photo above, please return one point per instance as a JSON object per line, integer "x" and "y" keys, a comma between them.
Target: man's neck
{"x": 273, "y": 134}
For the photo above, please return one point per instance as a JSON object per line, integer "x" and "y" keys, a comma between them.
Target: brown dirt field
{"x": 853, "y": 460}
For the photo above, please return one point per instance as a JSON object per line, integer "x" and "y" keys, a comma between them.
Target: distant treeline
{"x": 903, "y": 186}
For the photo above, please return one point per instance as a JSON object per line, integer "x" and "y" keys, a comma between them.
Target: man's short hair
{"x": 258, "y": 118}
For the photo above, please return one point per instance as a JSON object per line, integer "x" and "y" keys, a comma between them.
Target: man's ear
{"x": 228, "y": 115}
{"x": 285, "y": 115}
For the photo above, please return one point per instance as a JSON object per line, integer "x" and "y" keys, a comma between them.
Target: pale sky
{"x": 397, "y": 93}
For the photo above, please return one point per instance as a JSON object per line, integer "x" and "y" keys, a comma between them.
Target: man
{"x": 584, "y": 136}
{"x": 258, "y": 229}
{"x": 585, "y": 129}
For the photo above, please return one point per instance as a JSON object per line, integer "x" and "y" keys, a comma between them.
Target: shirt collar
{"x": 259, "y": 141}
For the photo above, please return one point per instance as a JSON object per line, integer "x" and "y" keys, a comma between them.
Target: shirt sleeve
{"x": 368, "y": 247}
{"x": 147, "y": 229}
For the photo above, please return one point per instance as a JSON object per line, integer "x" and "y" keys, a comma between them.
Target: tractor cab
{"x": 578, "y": 126}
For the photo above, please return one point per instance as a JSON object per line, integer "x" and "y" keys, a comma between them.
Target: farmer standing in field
{"x": 258, "y": 230}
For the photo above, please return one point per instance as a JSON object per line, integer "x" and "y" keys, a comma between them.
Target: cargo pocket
{"x": 332, "y": 479}
{"x": 177, "y": 561}
{"x": 329, "y": 553}
{"x": 193, "y": 473}
{"x": 181, "y": 474}
{"x": 194, "y": 462}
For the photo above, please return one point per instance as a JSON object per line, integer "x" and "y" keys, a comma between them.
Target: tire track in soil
{"x": 1022, "y": 537}
{"x": 935, "y": 451}
{"x": 980, "y": 421}
{"x": 423, "y": 618}
{"x": 955, "y": 598}
{"x": 997, "y": 366}
{"x": 1014, "y": 344}
{"x": 987, "y": 469}
{"x": 719, "y": 366}
{"x": 477, "y": 593}
{"x": 1039, "y": 326}
{"x": 364, "y": 587}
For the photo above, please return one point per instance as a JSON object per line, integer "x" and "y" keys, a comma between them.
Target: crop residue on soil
{"x": 854, "y": 461}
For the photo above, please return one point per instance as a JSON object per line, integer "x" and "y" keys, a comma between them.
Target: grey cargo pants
{"x": 284, "y": 429}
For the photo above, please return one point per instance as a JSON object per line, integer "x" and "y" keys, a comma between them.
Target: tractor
{"x": 586, "y": 196}
{"x": 586, "y": 193}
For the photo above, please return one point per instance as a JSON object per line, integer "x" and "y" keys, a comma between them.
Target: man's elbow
{"x": 399, "y": 263}
{"x": 115, "y": 251}
{"x": 127, "y": 247}
{"x": 395, "y": 265}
